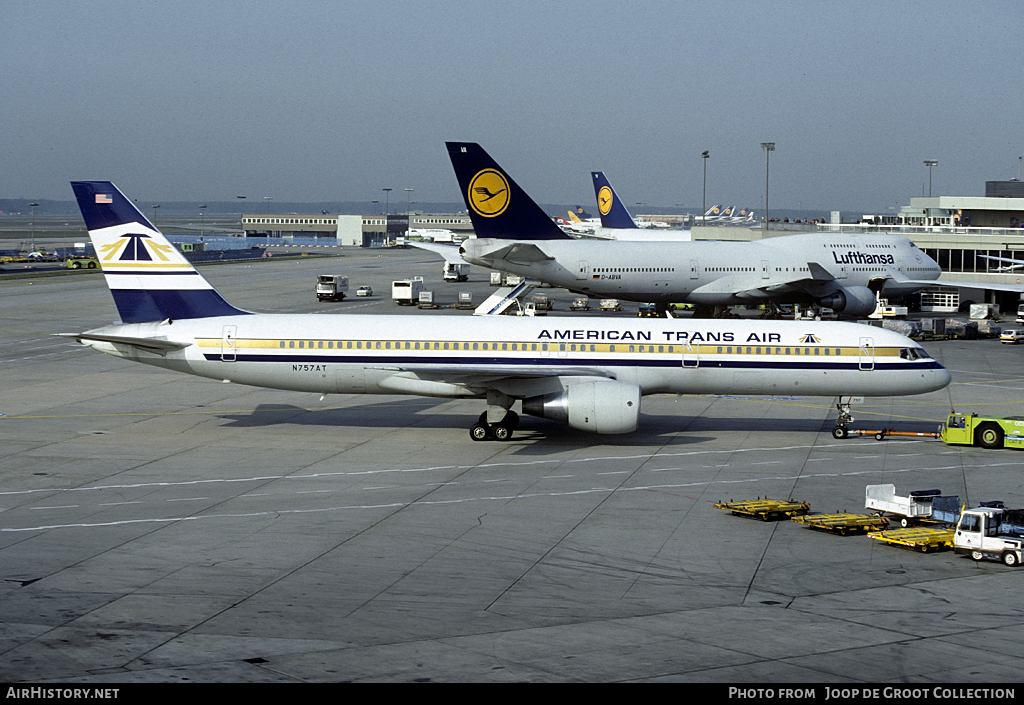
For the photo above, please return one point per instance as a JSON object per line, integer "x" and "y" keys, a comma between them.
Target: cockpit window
{"x": 913, "y": 353}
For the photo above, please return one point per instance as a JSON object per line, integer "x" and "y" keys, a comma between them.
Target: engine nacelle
{"x": 601, "y": 406}
{"x": 853, "y": 301}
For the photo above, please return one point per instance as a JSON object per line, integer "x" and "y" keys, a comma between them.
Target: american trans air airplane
{"x": 589, "y": 373}
{"x": 836, "y": 270}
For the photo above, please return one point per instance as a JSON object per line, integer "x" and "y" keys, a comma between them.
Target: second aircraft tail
{"x": 613, "y": 213}
{"x": 497, "y": 206}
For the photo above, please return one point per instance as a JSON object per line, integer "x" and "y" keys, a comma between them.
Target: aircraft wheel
{"x": 840, "y": 432}
{"x": 502, "y": 432}
{"x": 1010, "y": 559}
{"x": 479, "y": 432}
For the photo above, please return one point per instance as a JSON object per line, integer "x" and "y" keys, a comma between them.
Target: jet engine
{"x": 853, "y": 301}
{"x": 601, "y": 406}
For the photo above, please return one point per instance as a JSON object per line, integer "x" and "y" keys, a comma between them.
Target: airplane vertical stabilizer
{"x": 497, "y": 206}
{"x": 148, "y": 277}
{"x": 613, "y": 213}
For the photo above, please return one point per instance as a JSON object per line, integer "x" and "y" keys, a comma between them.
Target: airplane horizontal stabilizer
{"x": 159, "y": 346}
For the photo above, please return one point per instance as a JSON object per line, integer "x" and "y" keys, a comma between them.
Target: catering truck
{"x": 991, "y": 531}
{"x": 406, "y": 292}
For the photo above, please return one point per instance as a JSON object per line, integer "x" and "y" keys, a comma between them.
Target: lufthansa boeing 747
{"x": 840, "y": 271}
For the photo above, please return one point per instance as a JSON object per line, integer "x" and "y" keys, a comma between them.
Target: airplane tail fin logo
{"x": 613, "y": 212}
{"x": 498, "y": 207}
{"x": 148, "y": 277}
{"x": 488, "y": 193}
{"x": 605, "y": 199}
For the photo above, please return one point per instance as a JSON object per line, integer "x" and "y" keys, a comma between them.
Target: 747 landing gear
{"x": 501, "y": 431}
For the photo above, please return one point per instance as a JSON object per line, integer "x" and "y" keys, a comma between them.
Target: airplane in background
{"x": 842, "y": 271}
{"x": 717, "y": 215}
{"x": 618, "y": 224}
{"x": 589, "y": 373}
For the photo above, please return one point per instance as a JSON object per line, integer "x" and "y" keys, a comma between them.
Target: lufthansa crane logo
{"x": 605, "y": 198}
{"x": 488, "y": 193}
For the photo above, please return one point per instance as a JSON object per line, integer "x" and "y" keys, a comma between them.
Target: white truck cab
{"x": 991, "y": 532}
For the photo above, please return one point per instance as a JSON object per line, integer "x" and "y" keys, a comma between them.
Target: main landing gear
{"x": 501, "y": 431}
{"x": 498, "y": 422}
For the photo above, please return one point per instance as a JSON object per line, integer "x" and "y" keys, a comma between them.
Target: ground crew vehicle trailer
{"x": 991, "y": 532}
{"x": 919, "y": 505}
{"x": 765, "y": 509}
{"x": 921, "y": 538}
{"x": 843, "y": 523}
{"x": 984, "y": 431}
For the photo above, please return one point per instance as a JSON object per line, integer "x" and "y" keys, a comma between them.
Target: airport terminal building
{"x": 349, "y": 230}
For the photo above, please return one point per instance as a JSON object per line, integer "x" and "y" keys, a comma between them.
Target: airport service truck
{"x": 406, "y": 292}
{"x": 984, "y": 431}
{"x": 991, "y": 532}
{"x": 456, "y": 272}
{"x": 331, "y": 287}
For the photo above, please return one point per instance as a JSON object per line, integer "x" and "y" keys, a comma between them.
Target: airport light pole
{"x": 33, "y": 207}
{"x": 387, "y": 209}
{"x": 768, "y": 148}
{"x": 930, "y": 163}
{"x": 202, "y": 221}
{"x": 408, "y": 213}
{"x": 704, "y": 195}
{"x": 241, "y": 214}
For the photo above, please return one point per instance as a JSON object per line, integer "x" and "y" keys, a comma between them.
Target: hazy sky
{"x": 313, "y": 101}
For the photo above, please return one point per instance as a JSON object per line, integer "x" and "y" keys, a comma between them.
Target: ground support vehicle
{"x": 542, "y": 302}
{"x": 984, "y": 431}
{"x": 364, "y": 290}
{"x": 496, "y": 278}
{"x": 465, "y": 300}
{"x": 331, "y": 287}
{"x": 610, "y": 305}
{"x": 991, "y": 531}
{"x": 765, "y": 509}
{"x": 843, "y": 523}
{"x": 918, "y": 506}
{"x": 647, "y": 311}
{"x": 82, "y": 263}
{"x": 580, "y": 303}
{"x": 1011, "y": 336}
{"x": 921, "y": 538}
{"x": 426, "y": 300}
{"x": 406, "y": 292}
{"x": 456, "y": 272}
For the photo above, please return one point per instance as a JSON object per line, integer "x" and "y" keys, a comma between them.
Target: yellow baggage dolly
{"x": 921, "y": 538}
{"x": 765, "y": 509}
{"x": 843, "y": 523}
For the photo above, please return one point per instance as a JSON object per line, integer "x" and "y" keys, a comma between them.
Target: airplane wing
{"x": 449, "y": 252}
{"x": 475, "y": 382}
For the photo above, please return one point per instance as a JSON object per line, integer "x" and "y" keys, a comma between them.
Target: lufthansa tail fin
{"x": 497, "y": 206}
{"x": 613, "y": 213}
{"x": 148, "y": 277}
